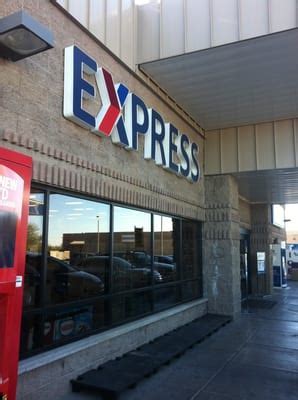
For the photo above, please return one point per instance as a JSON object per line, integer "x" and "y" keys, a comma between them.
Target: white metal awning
{"x": 240, "y": 83}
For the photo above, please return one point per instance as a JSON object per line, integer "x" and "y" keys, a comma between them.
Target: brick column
{"x": 221, "y": 245}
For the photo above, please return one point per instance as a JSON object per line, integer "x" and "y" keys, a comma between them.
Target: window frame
{"x": 44, "y": 309}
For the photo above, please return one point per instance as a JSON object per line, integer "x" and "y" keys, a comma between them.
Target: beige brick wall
{"x": 65, "y": 155}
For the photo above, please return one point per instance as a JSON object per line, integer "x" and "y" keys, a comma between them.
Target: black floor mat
{"x": 113, "y": 377}
{"x": 258, "y": 303}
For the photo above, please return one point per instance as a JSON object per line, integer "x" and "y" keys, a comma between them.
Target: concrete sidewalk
{"x": 254, "y": 357}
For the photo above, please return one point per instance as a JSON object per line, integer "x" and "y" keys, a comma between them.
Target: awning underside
{"x": 240, "y": 83}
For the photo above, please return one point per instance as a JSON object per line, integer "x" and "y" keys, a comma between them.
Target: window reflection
{"x": 31, "y": 333}
{"x": 166, "y": 247}
{"x": 132, "y": 249}
{"x": 132, "y": 305}
{"x": 190, "y": 249}
{"x": 72, "y": 321}
{"x": 32, "y": 278}
{"x": 191, "y": 290}
{"x": 78, "y": 235}
{"x": 166, "y": 297}
{"x": 91, "y": 288}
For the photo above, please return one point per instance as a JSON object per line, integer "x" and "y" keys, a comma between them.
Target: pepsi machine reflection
{"x": 279, "y": 265}
{"x": 124, "y": 116}
{"x": 8, "y": 225}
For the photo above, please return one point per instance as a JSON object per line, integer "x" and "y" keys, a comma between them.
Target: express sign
{"x": 124, "y": 116}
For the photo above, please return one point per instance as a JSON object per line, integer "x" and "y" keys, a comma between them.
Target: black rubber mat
{"x": 258, "y": 303}
{"x": 116, "y": 376}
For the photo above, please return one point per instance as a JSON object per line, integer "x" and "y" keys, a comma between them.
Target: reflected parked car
{"x": 142, "y": 259}
{"x": 164, "y": 259}
{"x": 63, "y": 281}
{"x": 125, "y": 275}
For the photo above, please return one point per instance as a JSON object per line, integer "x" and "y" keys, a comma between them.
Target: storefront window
{"x": 166, "y": 297}
{"x": 31, "y": 333}
{"x": 190, "y": 250}
{"x": 166, "y": 247}
{"x": 130, "y": 305}
{"x": 191, "y": 290}
{"x": 72, "y": 321}
{"x": 33, "y": 270}
{"x": 78, "y": 236}
{"x": 132, "y": 249}
{"x": 84, "y": 275}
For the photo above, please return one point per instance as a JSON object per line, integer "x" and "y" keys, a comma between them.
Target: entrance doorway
{"x": 244, "y": 266}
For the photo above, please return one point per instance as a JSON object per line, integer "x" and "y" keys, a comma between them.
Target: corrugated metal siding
{"x": 258, "y": 147}
{"x": 148, "y": 34}
{"x": 113, "y": 22}
{"x": 174, "y": 27}
{"x": 190, "y": 25}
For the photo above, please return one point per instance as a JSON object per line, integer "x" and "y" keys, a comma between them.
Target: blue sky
{"x": 292, "y": 214}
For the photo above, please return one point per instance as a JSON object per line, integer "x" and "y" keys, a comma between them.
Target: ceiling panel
{"x": 241, "y": 83}
{"x": 274, "y": 186}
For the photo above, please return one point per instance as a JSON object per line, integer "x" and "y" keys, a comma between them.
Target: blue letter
{"x": 81, "y": 88}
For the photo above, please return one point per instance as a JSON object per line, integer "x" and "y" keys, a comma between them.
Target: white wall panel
{"x": 295, "y": 126}
{"x": 265, "y": 146}
{"x": 254, "y": 18}
{"x": 97, "y": 18}
{"x": 113, "y": 26}
{"x": 163, "y": 28}
{"x": 212, "y": 154}
{"x": 224, "y": 20}
{"x": 172, "y": 27}
{"x": 127, "y": 44}
{"x": 229, "y": 153}
{"x": 282, "y": 14}
{"x": 197, "y": 25}
{"x": 148, "y": 36}
{"x": 247, "y": 148}
{"x": 63, "y": 3}
{"x": 284, "y": 144}
{"x": 79, "y": 10}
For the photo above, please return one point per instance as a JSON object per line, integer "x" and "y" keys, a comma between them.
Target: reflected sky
{"x": 126, "y": 220}
{"x": 291, "y": 214}
{"x": 72, "y": 215}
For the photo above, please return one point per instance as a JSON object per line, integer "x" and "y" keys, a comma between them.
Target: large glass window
{"x": 84, "y": 275}
{"x": 190, "y": 242}
{"x": 166, "y": 247}
{"x": 79, "y": 234}
{"x": 33, "y": 269}
{"x": 132, "y": 249}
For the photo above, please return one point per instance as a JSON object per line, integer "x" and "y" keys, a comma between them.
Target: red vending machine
{"x": 15, "y": 178}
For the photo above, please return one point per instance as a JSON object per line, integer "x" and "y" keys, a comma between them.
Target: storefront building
{"x": 128, "y": 237}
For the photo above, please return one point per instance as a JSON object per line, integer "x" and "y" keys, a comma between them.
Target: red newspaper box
{"x": 15, "y": 178}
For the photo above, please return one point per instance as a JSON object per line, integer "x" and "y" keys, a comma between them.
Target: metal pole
{"x": 97, "y": 234}
{"x": 161, "y": 237}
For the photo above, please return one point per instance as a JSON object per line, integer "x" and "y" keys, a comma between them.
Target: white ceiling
{"x": 272, "y": 186}
{"x": 236, "y": 84}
